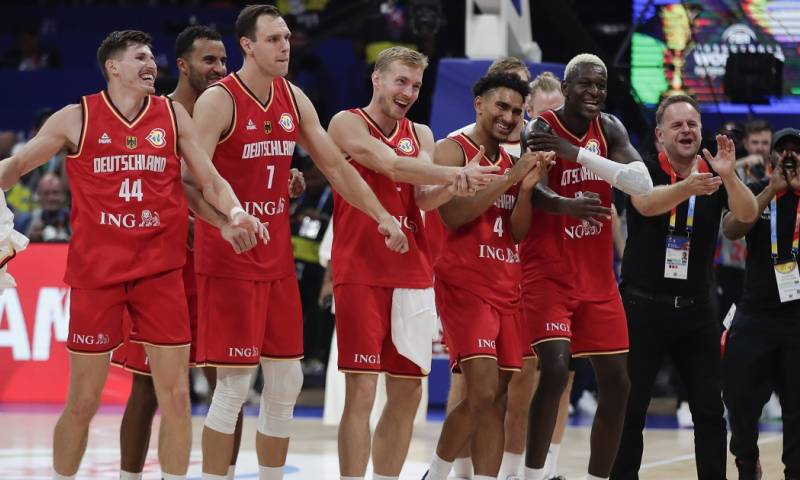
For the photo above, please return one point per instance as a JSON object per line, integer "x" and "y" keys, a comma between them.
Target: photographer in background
{"x": 731, "y": 254}
{"x": 762, "y": 342}
{"x": 757, "y": 142}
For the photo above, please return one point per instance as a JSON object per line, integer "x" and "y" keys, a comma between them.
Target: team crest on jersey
{"x": 157, "y": 137}
{"x": 286, "y": 122}
{"x": 593, "y": 146}
{"x": 130, "y": 142}
{"x": 267, "y": 127}
{"x": 405, "y": 145}
{"x": 104, "y": 139}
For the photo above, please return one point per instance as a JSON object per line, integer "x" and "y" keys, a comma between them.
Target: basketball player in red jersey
{"x": 394, "y": 156}
{"x": 129, "y": 234}
{"x": 251, "y": 121}
{"x": 478, "y": 275}
{"x": 570, "y": 297}
{"x": 201, "y": 60}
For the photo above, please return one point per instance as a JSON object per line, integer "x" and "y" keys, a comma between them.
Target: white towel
{"x": 11, "y": 243}
{"x": 414, "y": 325}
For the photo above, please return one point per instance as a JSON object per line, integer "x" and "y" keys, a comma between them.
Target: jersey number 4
{"x": 128, "y": 189}
{"x": 498, "y": 226}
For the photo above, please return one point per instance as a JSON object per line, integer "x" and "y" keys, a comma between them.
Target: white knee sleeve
{"x": 282, "y": 383}
{"x": 229, "y": 396}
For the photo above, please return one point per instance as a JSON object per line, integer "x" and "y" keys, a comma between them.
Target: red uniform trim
{"x": 263, "y": 106}
{"x": 120, "y": 116}
{"x": 229, "y": 131}
{"x": 294, "y": 99}
{"x": 377, "y": 127}
{"x": 84, "y": 125}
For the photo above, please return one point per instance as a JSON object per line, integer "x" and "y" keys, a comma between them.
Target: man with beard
{"x": 394, "y": 156}
{"x": 569, "y": 293}
{"x": 666, "y": 279}
{"x": 478, "y": 275}
{"x": 249, "y": 305}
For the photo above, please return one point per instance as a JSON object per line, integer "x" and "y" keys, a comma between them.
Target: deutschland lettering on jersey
{"x": 360, "y": 255}
{"x": 481, "y": 256}
{"x": 570, "y": 251}
{"x": 255, "y": 156}
{"x": 128, "y": 208}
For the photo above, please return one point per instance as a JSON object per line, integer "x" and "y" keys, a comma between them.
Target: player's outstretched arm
{"x": 351, "y": 134}
{"x": 624, "y": 171}
{"x": 198, "y": 204}
{"x": 341, "y": 175}
{"x": 462, "y": 210}
{"x": 214, "y": 189}
{"x": 429, "y": 197}
{"x": 62, "y": 129}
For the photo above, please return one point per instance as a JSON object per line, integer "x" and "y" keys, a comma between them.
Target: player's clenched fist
{"x": 396, "y": 240}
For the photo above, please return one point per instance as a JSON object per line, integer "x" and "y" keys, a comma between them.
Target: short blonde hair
{"x": 582, "y": 58}
{"x": 507, "y": 65}
{"x": 404, "y": 55}
{"x": 545, "y": 82}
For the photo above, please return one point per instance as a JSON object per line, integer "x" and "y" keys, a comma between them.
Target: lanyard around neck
{"x": 674, "y": 212}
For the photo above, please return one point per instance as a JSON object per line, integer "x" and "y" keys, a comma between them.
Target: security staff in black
{"x": 763, "y": 342}
{"x": 666, "y": 280}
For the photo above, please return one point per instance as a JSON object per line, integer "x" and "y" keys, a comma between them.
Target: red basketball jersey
{"x": 254, "y": 156}
{"x": 360, "y": 255}
{"x": 436, "y": 234}
{"x": 128, "y": 208}
{"x": 481, "y": 256}
{"x": 576, "y": 253}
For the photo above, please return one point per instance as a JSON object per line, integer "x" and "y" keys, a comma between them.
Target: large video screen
{"x": 682, "y": 46}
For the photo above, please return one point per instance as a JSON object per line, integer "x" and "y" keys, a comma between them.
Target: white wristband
{"x": 632, "y": 178}
{"x": 235, "y": 211}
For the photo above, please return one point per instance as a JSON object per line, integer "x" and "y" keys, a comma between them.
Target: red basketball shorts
{"x": 474, "y": 328}
{"x": 241, "y": 321}
{"x": 591, "y": 327}
{"x": 133, "y": 356}
{"x": 157, "y": 308}
{"x": 364, "y": 332}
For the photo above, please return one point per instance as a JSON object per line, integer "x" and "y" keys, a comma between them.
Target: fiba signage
{"x": 710, "y": 58}
{"x": 34, "y": 325}
{"x": 50, "y": 323}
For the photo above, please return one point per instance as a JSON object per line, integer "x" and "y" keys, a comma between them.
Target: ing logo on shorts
{"x": 157, "y": 137}
{"x": 406, "y": 146}
{"x": 286, "y": 122}
{"x": 593, "y": 146}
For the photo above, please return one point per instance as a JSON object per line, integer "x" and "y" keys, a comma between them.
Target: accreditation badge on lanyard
{"x": 676, "y": 259}
{"x": 786, "y": 274}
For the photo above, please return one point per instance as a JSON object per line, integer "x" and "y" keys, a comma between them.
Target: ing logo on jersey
{"x": 267, "y": 127}
{"x": 405, "y": 145}
{"x": 131, "y": 142}
{"x": 286, "y": 122}
{"x": 593, "y": 146}
{"x": 157, "y": 137}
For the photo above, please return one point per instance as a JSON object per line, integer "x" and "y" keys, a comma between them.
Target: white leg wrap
{"x": 229, "y": 396}
{"x": 282, "y": 383}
